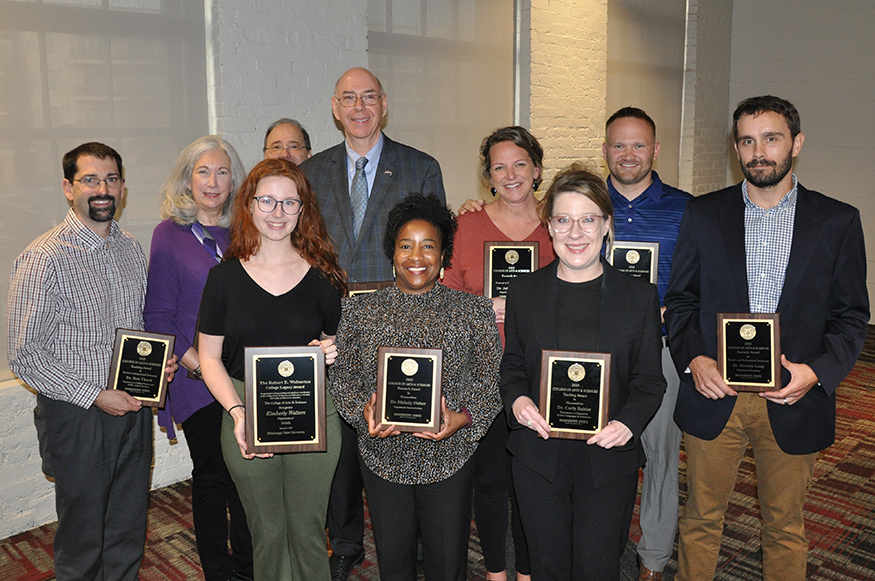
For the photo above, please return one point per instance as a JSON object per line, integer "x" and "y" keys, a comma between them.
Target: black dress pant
{"x": 101, "y": 466}
{"x": 214, "y": 499}
{"x": 346, "y": 512}
{"x": 574, "y": 531}
{"x": 492, "y": 487}
{"x": 439, "y": 513}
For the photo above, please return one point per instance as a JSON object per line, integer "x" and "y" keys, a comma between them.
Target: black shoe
{"x": 342, "y": 565}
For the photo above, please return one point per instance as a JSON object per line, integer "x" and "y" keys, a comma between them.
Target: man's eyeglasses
{"x": 267, "y": 205}
{"x": 368, "y": 99}
{"x": 91, "y": 183}
{"x": 277, "y": 148}
{"x": 587, "y": 223}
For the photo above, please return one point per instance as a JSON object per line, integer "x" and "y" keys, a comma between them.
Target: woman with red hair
{"x": 279, "y": 285}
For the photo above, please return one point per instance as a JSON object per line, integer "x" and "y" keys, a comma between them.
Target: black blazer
{"x": 402, "y": 170}
{"x": 629, "y": 329}
{"x": 824, "y": 308}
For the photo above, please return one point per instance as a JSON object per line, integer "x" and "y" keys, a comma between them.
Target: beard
{"x": 101, "y": 214}
{"x": 767, "y": 179}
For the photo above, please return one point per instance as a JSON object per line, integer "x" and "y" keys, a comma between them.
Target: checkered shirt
{"x": 768, "y": 235}
{"x": 70, "y": 290}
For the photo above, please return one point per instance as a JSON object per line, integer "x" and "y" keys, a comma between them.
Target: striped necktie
{"x": 205, "y": 238}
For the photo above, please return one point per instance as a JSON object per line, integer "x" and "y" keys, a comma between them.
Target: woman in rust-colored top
{"x": 511, "y": 162}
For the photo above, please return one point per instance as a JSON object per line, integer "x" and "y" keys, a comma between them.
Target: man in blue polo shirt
{"x": 647, "y": 210}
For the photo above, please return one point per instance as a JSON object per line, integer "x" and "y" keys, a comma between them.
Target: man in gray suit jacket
{"x": 357, "y": 182}
{"x": 392, "y": 171}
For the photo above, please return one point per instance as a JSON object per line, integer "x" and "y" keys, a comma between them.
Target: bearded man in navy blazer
{"x": 356, "y": 183}
{"x": 766, "y": 245}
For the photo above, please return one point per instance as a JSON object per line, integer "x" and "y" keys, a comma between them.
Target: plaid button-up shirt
{"x": 70, "y": 290}
{"x": 768, "y": 235}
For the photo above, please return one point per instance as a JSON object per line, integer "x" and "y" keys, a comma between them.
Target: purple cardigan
{"x": 178, "y": 268}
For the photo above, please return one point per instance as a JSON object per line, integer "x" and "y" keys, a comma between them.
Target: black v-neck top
{"x": 236, "y": 307}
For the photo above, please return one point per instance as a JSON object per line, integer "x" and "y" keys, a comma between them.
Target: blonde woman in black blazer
{"x": 576, "y": 497}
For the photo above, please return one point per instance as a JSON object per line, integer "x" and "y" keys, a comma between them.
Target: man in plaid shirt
{"x": 70, "y": 290}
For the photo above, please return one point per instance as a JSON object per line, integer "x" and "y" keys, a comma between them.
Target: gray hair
{"x": 287, "y": 121}
{"x": 177, "y": 202}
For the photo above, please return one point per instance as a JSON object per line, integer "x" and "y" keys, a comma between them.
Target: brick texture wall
{"x": 568, "y": 80}
{"x": 705, "y": 142}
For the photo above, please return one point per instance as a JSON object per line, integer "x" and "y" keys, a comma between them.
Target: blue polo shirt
{"x": 654, "y": 216}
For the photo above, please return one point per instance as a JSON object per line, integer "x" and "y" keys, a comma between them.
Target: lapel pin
{"x": 388, "y": 173}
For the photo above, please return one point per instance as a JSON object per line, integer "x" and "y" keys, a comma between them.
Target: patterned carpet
{"x": 840, "y": 514}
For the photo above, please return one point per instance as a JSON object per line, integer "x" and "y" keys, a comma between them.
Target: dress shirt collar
{"x": 373, "y": 156}
{"x": 788, "y": 201}
{"x": 653, "y": 191}
{"x": 89, "y": 236}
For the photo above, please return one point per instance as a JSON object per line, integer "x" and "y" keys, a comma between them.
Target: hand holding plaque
{"x": 409, "y": 389}
{"x": 138, "y": 362}
{"x": 749, "y": 350}
{"x": 575, "y": 390}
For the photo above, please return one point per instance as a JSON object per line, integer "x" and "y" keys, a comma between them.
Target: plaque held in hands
{"x": 637, "y": 259}
{"x": 138, "y": 362}
{"x": 503, "y": 262}
{"x": 749, "y": 350}
{"x": 409, "y": 389}
{"x": 575, "y": 390}
{"x": 285, "y": 400}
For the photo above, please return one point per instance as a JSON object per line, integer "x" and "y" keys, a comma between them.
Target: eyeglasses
{"x": 587, "y": 223}
{"x": 267, "y": 205}
{"x": 368, "y": 99}
{"x": 91, "y": 183}
{"x": 278, "y": 148}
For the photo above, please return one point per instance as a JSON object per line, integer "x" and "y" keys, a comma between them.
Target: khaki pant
{"x": 782, "y": 481}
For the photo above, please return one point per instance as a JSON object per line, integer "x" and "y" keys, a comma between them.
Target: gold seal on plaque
{"x": 747, "y": 332}
{"x": 286, "y": 368}
{"x": 576, "y": 372}
{"x": 512, "y": 257}
{"x": 144, "y": 348}
{"x": 409, "y": 367}
{"x": 632, "y": 257}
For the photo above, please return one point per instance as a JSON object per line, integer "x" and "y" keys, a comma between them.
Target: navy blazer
{"x": 824, "y": 308}
{"x": 402, "y": 170}
{"x": 629, "y": 329}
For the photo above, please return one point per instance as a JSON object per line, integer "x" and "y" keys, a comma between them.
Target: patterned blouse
{"x": 463, "y": 326}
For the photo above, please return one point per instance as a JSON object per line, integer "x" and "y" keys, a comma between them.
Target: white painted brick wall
{"x": 705, "y": 145}
{"x": 280, "y": 58}
{"x": 568, "y": 80}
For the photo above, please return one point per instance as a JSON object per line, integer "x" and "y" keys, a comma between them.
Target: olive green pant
{"x": 286, "y": 500}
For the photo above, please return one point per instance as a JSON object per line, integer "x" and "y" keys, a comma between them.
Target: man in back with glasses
{"x": 287, "y": 139}
{"x": 70, "y": 290}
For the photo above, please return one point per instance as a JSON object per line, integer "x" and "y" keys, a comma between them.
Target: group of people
{"x": 264, "y": 259}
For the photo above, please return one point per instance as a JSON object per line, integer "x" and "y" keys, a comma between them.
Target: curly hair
{"x": 310, "y": 236}
{"x": 579, "y": 179}
{"x": 421, "y": 207}
{"x": 177, "y": 202}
